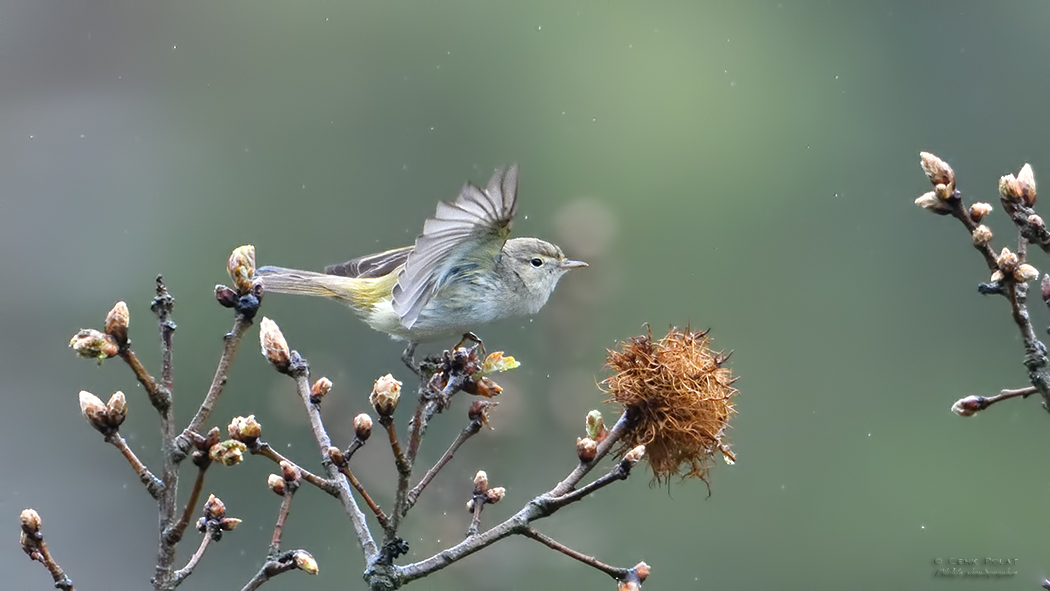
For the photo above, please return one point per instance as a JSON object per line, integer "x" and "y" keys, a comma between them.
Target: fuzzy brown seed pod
{"x": 678, "y": 396}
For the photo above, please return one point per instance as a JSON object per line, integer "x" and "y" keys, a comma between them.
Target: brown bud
{"x": 479, "y": 411}
{"x": 245, "y": 429}
{"x": 336, "y": 455}
{"x": 290, "y": 472}
{"x": 385, "y": 394}
{"x": 1025, "y": 273}
{"x": 226, "y": 296}
{"x": 94, "y": 344}
{"x": 997, "y": 276}
{"x": 30, "y": 521}
{"x": 229, "y": 523}
{"x": 1007, "y": 261}
{"x": 276, "y": 484}
{"x": 94, "y": 411}
{"x": 117, "y": 323}
{"x": 969, "y": 406}
{"x": 641, "y": 570}
{"x": 241, "y": 266}
{"x": 213, "y": 438}
{"x": 227, "y": 453}
{"x": 274, "y": 347}
{"x": 586, "y": 449}
{"x": 635, "y": 455}
{"x": 116, "y": 409}
{"x": 495, "y": 494}
{"x": 305, "y": 562}
{"x": 982, "y": 235}
{"x": 937, "y": 170}
{"x": 1026, "y": 182}
{"x": 321, "y": 387}
{"x": 979, "y": 210}
{"x": 481, "y": 482}
{"x": 214, "y": 508}
{"x": 363, "y": 426}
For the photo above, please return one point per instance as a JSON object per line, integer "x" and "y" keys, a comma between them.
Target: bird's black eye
{"x": 537, "y": 262}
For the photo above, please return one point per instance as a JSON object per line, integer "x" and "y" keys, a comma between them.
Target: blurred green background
{"x": 748, "y": 167}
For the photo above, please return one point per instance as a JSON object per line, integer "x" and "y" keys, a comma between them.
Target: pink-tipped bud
{"x": 979, "y": 210}
{"x": 274, "y": 347}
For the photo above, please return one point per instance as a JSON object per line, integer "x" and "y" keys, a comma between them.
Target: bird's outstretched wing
{"x": 476, "y": 223}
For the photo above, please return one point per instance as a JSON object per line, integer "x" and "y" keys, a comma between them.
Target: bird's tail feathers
{"x": 358, "y": 293}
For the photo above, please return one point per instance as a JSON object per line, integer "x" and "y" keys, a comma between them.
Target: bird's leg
{"x": 472, "y": 338}
{"x": 408, "y": 357}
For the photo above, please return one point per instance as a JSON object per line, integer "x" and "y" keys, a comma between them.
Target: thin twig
{"x": 158, "y": 397}
{"x": 177, "y": 531}
{"x": 187, "y": 570}
{"x": 33, "y": 544}
{"x": 475, "y": 514}
{"x": 620, "y": 471}
{"x": 266, "y": 450}
{"x": 617, "y": 573}
{"x": 538, "y": 508}
{"x": 467, "y": 432}
{"x": 380, "y": 516}
{"x": 282, "y": 517}
{"x": 167, "y": 501}
{"x": 271, "y": 568}
{"x": 153, "y": 484}
{"x": 364, "y": 536}
{"x": 231, "y": 342}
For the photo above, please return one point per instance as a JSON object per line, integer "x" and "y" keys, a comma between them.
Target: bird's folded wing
{"x": 477, "y": 222}
{"x": 371, "y": 265}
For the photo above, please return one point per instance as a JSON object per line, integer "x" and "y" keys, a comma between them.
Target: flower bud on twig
{"x": 247, "y": 430}
{"x": 969, "y": 406}
{"x": 635, "y": 455}
{"x": 241, "y": 267}
{"x": 30, "y": 522}
{"x": 1007, "y": 261}
{"x": 481, "y": 482}
{"x": 1026, "y": 182}
{"x": 290, "y": 472}
{"x": 982, "y": 235}
{"x": 276, "y": 484}
{"x": 595, "y": 425}
{"x": 1025, "y": 273}
{"x": 274, "y": 346}
{"x": 336, "y": 455}
{"x": 305, "y": 562}
{"x": 363, "y": 426}
{"x": 586, "y": 449}
{"x": 937, "y": 170}
{"x": 226, "y": 296}
{"x": 931, "y": 202}
{"x": 227, "y": 453}
{"x": 320, "y": 388}
{"x": 94, "y": 344}
{"x": 116, "y": 409}
{"x": 495, "y": 494}
{"x": 117, "y": 323}
{"x": 385, "y": 394}
{"x": 979, "y": 210}
{"x": 94, "y": 411}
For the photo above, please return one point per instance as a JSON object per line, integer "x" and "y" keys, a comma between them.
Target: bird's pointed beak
{"x": 571, "y": 264}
